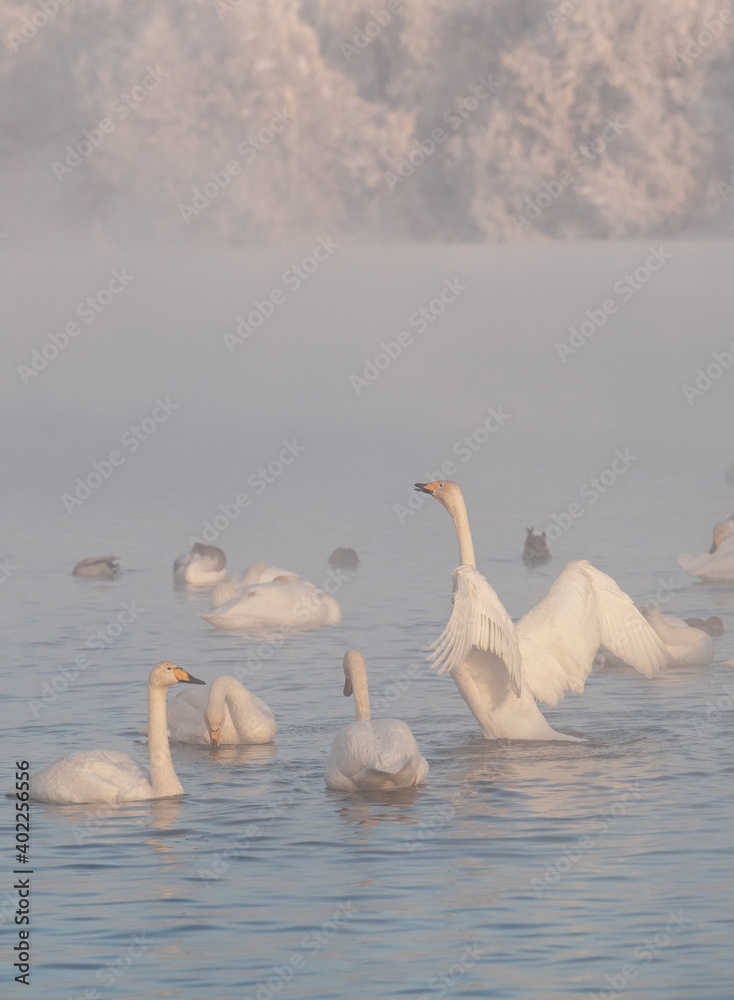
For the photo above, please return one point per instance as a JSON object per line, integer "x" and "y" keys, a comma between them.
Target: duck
{"x": 226, "y": 712}
{"x": 501, "y": 668}
{"x": 344, "y": 559}
{"x": 204, "y": 565}
{"x": 716, "y": 565}
{"x": 113, "y": 776}
{"x": 99, "y": 567}
{"x": 535, "y": 551}
{"x": 285, "y": 602}
{"x": 371, "y": 755}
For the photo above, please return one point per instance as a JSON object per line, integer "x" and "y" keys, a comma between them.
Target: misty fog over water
{"x": 266, "y": 266}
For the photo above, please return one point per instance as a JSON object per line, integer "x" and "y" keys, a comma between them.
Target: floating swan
{"x": 368, "y": 755}
{"x": 112, "y": 776}
{"x": 225, "y": 713}
{"x": 203, "y": 566}
{"x": 535, "y": 551}
{"x": 259, "y": 572}
{"x": 686, "y": 646}
{"x": 100, "y": 567}
{"x": 501, "y": 668}
{"x": 286, "y": 602}
{"x": 716, "y": 565}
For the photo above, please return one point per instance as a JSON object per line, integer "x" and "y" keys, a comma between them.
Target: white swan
{"x": 225, "y": 713}
{"x": 368, "y": 755}
{"x": 501, "y": 668}
{"x": 686, "y": 646}
{"x": 203, "y": 566}
{"x": 112, "y": 776}
{"x": 100, "y": 567}
{"x": 286, "y": 602}
{"x": 716, "y": 565}
{"x": 259, "y": 572}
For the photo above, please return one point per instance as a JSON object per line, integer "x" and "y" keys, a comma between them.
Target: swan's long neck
{"x": 461, "y": 523}
{"x": 358, "y": 675}
{"x": 163, "y": 778}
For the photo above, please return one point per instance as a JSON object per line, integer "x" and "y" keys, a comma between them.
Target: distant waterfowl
{"x": 711, "y": 626}
{"x": 344, "y": 559}
{"x": 225, "y": 713}
{"x": 99, "y": 567}
{"x": 112, "y": 776}
{"x": 203, "y": 566}
{"x": 371, "y": 755}
{"x": 686, "y": 645}
{"x": 286, "y": 602}
{"x": 716, "y": 565}
{"x": 501, "y": 668}
{"x": 535, "y": 551}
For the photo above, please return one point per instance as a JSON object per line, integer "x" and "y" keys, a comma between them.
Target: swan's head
{"x": 445, "y": 491}
{"x": 165, "y": 674}
{"x": 721, "y": 531}
{"x": 216, "y": 711}
{"x": 353, "y": 660}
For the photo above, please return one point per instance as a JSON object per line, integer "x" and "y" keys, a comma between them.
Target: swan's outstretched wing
{"x": 584, "y": 609}
{"x": 478, "y": 620}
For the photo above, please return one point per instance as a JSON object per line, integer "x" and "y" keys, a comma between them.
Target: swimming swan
{"x": 716, "y": 565}
{"x": 100, "y": 567}
{"x": 368, "y": 755}
{"x": 286, "y": 602}
{"x": 686, "y": 645}
{"x": 203, "y": 566}
{"x": 501, "y": 668}
{"x": 112, "y": 776}
{"x": 225, "y": 713}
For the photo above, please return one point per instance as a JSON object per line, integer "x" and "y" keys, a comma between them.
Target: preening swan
{"x": 535, "y": 551}
{"x": 501, "y": 668}
{"x": 368, "y": 755}
{"x": 203, "y": 566}
{"x": 100, "y": 567}
{"x": 716, "y": 565}
{"x": 686, "y": 646}
{"x": 225, "y": 713}
{"x": 112, "y": 776}
{"x": 286, "y": 602}
{"x": 259, "y": 572}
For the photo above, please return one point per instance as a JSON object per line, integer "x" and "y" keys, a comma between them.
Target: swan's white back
{"x": 367, "y": 755}
{"x": 291, "y": 603}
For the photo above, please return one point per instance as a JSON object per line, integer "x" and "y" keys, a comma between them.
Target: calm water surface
{"x": 518, "y": 870}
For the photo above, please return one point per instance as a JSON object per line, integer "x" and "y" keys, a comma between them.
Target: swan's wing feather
{"x": 584, "y": 609}
{"x": 478, "y": 620}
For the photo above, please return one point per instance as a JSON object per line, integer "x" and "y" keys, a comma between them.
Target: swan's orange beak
{"x": 426, "y": 487}
{"x": 185, "y": 677}
{"x": 214, "y": 736}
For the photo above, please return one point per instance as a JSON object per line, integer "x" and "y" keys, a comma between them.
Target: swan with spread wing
{"x": 501, "y": 668}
